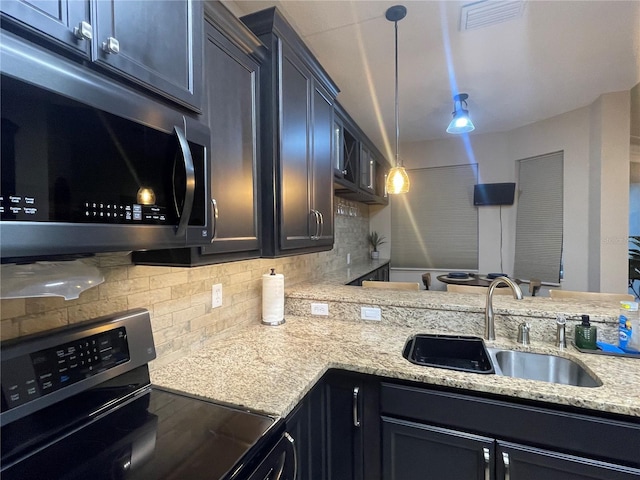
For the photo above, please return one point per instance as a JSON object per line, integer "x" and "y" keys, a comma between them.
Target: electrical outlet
{"x": 370, "y": 313}
{"x": 320, "y": 309}
{"x": 216, "y": 295}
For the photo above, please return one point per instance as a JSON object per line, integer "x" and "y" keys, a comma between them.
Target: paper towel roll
{"x": 273, "y": 298}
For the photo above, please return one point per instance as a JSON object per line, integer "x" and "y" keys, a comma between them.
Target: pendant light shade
{"x": 461, "y": 122}
{"x": 397, "y": 179}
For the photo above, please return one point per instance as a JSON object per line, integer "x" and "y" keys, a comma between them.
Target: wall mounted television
{"x": 493, "y": 194}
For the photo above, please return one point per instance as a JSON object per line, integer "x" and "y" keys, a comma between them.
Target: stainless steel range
{"x": 78, "y": 403}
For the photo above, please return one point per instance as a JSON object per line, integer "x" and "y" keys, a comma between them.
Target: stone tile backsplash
{"x": 179, "y": 299}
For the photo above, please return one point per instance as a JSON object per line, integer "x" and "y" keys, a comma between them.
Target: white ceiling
{"x": 559, "y": 56}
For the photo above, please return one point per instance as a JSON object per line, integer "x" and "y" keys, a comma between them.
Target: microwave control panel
{"x": 26, "y": 208}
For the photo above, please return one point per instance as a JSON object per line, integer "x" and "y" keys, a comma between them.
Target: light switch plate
{"x": 370, "y": 313}
{"x": 216, "y": 295}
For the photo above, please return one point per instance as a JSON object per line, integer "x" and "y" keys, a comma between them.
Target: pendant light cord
{"x": 397, "y": 107}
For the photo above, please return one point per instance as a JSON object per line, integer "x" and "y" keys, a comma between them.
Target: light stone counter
{"x": 270, "y": 369}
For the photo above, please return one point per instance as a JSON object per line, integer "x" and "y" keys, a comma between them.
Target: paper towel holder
{"x": 273, "y": 313}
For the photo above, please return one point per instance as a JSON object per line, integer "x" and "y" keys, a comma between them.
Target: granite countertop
{"x": 270, "y": 369}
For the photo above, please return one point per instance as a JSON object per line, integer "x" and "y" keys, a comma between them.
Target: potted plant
{"x": 375, "y": 241}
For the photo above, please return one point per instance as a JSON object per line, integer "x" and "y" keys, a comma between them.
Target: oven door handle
{"x": 292, "y": 466}
{"x": 190, "y": 182}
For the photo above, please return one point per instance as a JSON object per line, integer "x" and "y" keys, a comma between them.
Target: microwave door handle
{"x": 214, "y": 215}
{"x": 190, "y": 182}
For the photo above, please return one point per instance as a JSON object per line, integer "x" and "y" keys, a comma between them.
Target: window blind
{"x": 539, "y": 221}
{"x": 435, "y": 224}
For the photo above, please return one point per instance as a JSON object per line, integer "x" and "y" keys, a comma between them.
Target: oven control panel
{"x": 40, "y": 370}
{"x": 33, "y": 375}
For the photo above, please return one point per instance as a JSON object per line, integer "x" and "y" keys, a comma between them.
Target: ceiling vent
{"x": 489, "y": 12}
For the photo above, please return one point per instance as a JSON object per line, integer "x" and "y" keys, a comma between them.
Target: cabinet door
{"x": 322, "y": 173}
{"x": 297, "y": 221}
{"x": 412, "y": 451}
{"x": 158, "y": 44}
{"x": 367, "y": 169}
{"x": 518, "y": 462}
{"x": 343, "y": 396}
{"x": 352, "y": 426}
{"x": 53, "y": 20}
{"x": 306, "y": 425}
{"x": 231, "y": 113}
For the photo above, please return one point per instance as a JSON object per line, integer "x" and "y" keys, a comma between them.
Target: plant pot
{"x": 375, "y": 255}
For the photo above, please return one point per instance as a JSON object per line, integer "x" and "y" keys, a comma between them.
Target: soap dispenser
{"x": 586, "y": 334}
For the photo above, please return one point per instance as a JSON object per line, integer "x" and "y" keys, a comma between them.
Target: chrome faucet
{"x": 489, "y": 324}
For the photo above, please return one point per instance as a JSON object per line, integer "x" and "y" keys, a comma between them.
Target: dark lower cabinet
{"x": 519, "y": 462}
{"x": 413, "y": 451}
{"x": 354, "y": 426}
{"x": 337, "y": 429}
{"x": 443, "y": 435}
{"x": 306, "y": 425}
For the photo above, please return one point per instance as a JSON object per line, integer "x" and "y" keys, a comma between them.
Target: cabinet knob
{"x": 83, "y": 31}
{"x": 112, "y": 45}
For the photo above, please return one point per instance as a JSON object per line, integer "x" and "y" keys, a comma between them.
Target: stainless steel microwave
{"x": 90, "y": 165}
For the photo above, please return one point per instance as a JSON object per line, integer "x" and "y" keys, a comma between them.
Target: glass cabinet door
{"x": 367, "y": 169}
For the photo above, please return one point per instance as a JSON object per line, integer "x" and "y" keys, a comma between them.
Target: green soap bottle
{"x": 586, "y": 335}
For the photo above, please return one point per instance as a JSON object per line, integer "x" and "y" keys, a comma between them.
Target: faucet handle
{"x": 523, "y": 333}
{"x": 561, "y": 334}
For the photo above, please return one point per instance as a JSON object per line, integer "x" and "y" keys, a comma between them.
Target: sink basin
{"x": 453, "y": 352}
{"x": 543, "y": 367}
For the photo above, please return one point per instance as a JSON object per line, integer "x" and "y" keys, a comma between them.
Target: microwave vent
{"x": 489, "y": 12}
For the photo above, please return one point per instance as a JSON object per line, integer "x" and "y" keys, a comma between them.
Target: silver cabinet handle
{"x": 83, "y": 31}
{"x": 111, "y": 45}
{"x": 487, "y": 463}
{"x": 505, "y": 460}
{"x": 316, "y": 214}
{"x": 190, "y": 182}
{"x": 214, "y": 204}
{"x": 356, "y": 414}
{"x": 321, "y": 216}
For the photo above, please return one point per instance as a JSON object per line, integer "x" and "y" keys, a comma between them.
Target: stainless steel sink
{"x": 543, "y": 367}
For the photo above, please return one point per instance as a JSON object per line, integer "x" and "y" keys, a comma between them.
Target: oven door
{"x": 89, "y": 165}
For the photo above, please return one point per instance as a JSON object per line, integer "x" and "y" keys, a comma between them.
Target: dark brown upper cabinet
{"x": 231, "y": 110}
{"x": 359, "y": 168}
{"x": 157, "y": 45}
{"x": 297, "y": 139}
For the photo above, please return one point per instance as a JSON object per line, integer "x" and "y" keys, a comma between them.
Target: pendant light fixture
{"x": 461, "y": 122}
{"x": 397, "y": 180}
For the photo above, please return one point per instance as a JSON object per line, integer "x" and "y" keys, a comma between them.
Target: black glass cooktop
{"x": 160, "y": 435}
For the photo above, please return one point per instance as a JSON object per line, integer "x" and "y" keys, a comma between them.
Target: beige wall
{"x": 179, "y": 299}
{"x": 590, "y": 141}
